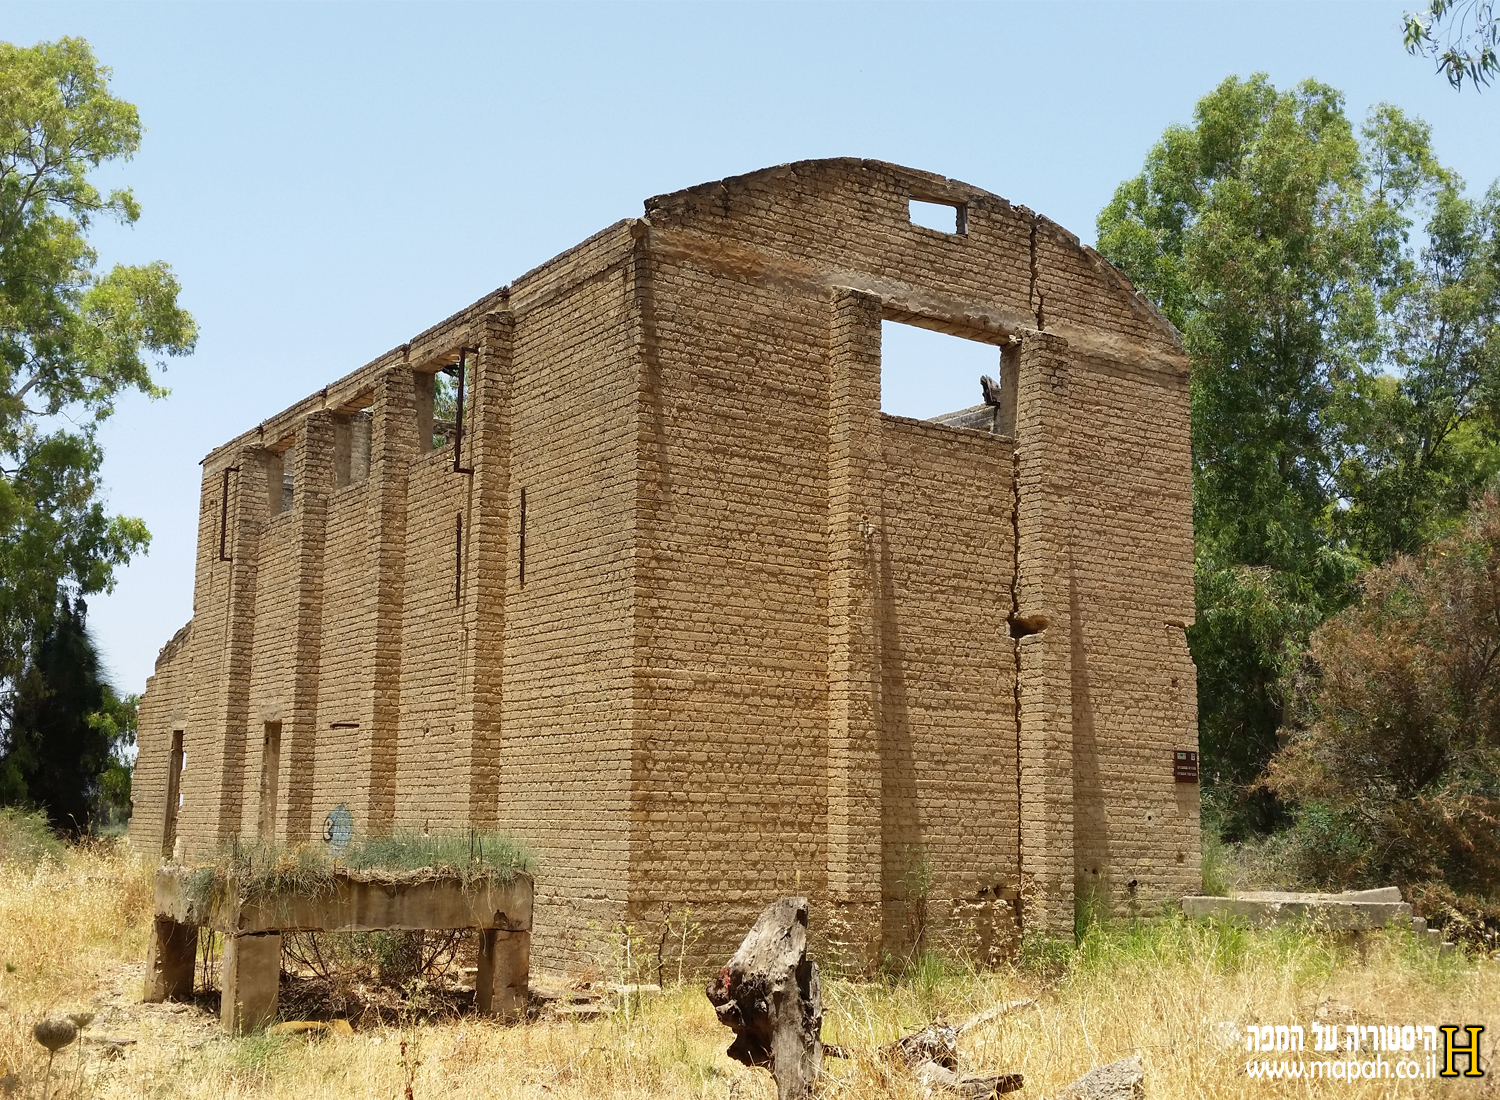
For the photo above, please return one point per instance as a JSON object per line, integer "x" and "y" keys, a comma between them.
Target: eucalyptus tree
{"x": 1337, "y": 292}
{"x": 1462, "y": 36}
{"x": 72, "y": 338}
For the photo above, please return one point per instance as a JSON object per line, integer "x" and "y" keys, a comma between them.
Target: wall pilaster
{"x": 486, "y": 559}
{"x": 855, "y": 837}
{"x": 393, "y": 445}
{"x": 312, "y": 481}
{"x": 1044, "y": 563}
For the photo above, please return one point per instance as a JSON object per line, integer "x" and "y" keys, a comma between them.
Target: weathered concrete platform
{"x": 354, "y": 902}
{"x": 1350, "y": 911}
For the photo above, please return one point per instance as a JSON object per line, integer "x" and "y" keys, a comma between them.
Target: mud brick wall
{"x": 731, "y": 634}
{"x": 715, "y": 628}
{"x": 947, "y": 671}
{"x": 1133, "y": 682}
{"x": 567, "y": 724}
{"x": 347, "y": 632}
{"x": 431, "y": 750}
{"x": 162, "y": 712}
{"x": 208, "y": 679}
{"x": 274, "y": 653}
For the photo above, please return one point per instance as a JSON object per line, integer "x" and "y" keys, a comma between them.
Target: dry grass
{"x": 73, "y": 935}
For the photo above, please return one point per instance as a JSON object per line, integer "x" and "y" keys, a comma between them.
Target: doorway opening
{"x": 270, "y": 776}
{"x": 175, "y": 763}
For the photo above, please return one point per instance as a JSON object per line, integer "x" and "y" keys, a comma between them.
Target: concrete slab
{"x": 1349, "y": 911}
{"x": 356, "y": 903}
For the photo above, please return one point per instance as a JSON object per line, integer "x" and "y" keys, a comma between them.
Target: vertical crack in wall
{"x": 1035, "y": 298}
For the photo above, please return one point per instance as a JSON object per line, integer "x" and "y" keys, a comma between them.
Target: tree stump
{"x": 768, "y": 994}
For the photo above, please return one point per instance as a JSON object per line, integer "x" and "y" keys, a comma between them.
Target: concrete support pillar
{"x": 249, "y": 973}
{"x": 855, "y": 836}
{"x": 486, "y": 559}
{"x": 169, "y": 961}
{"x": 393, "y": 445}
{"x": 228, "y": 729}
{"x": 1042, "y": 618}
{"x": 503, "y": 984}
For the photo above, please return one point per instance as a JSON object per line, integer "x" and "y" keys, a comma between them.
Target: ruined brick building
{"x": 677, "y": 605}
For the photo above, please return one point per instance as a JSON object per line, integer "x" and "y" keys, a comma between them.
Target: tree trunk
{"x": 768, "y": 994}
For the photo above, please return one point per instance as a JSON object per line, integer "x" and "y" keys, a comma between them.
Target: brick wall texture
{"x": 695, "y": 620}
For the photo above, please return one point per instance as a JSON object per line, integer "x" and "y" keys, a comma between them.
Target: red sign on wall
{"x": 1185, "y": 766}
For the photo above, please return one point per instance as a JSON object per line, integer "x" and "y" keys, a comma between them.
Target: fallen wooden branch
{"x": 769, "y": 995}
{"x": 994, "y": 1012}
{"x": 938, "y": 1042}
{"x": 932, "y": 1054}
{"x": 969, "y": 1087}
{"x": 935, "y": 1044}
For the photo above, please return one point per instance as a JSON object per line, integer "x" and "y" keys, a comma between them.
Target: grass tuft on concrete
{"x": 492, "y": 857}
{"x": 257, "y": 867}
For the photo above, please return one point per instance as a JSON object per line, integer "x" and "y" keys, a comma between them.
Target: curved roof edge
{"x": 929, "y": 185}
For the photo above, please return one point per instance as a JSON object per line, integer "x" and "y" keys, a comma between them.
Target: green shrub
{"x": 1217, "y": 873}
{"x": 1391, "y": 759}
{"x": 26, "y": 838}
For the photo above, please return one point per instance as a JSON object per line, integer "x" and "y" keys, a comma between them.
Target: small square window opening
{"x": 945, "y": 217}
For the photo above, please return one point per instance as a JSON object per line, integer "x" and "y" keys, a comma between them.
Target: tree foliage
{"x": 116, "y": 721}
{"x": 1344, "y": 380}
{"x": 1393, "y": 759}
{"x": 67, "y": 730}
{"x": 71, "y": 339}
{"x": 1461, "y": 36}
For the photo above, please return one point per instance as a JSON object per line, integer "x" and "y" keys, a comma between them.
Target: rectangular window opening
{"x": 952, "y": 380}
{"x": 445, "y": 402}
{"x": 280, "y": 488}
{"x": 523, "y": 538}
{"x": 945, "y": 217}
{"x": 351, "y": 448}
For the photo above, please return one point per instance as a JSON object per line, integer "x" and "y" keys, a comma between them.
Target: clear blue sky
{"x": 330, "y": 179}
